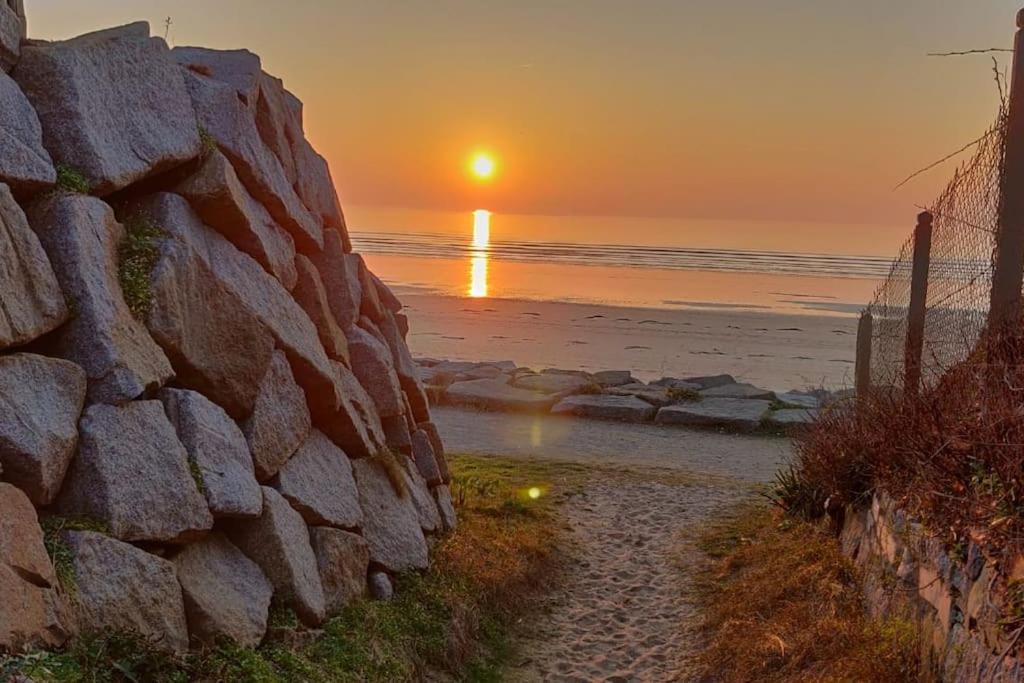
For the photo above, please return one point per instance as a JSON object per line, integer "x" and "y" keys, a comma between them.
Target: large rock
{"x": 221, "y": 201}
{"x": 81, "y": 238}
{"x": 226, "y": 594}
{"x": 422, "y": 499}
{"x": 279, "y": 119}
{"x": 218, "y": 448}
{"x": 425, "y": 459}
{"x": 355, "y": 427}
{"x": 120, "y": 588}
{"x": 494, "y": 394}
{"x": 312, "y": 296}
{"x": 215, "y": 344}
{"x": 607, "y": 407}
{"x": 343, "y": 559}
{"x": 232, "y": 124}
{"x": 797, "y": 399}
{"x": 739, "y": 390}
{"x": 132, "y": 474}
{"x": 562, "y": 385}
{"x": 729, "y": 413}
{"x": 280, "y": 421}
{"x": 24, "y": 164}
{"x": 33, "y": 302}
{"x": 656, "y": 395}
{"x": 438, "y": 445}
{"x": 40, "y": 402}
{"x": 31, "y": 612}
{"x": 13, "y": 29}
{"x": 318, "y": 482}
{"x": 340, "y": 274}
{"x": 113, "y": 105}
{"x": 707, "y": 381}
{"x": 278, "y": 542}
{"x": 392, "y": 525}
{"x": 614, "y": 378}
{"x": 387, "y": 297}
{"x": 375, "y": 369}
{"x": 792, "y": 419}
{"x": 257, "y": 292}
{"x": 408, "y": 372}
{"x": 443, "y": 496}
{"x": 240, "y": 69}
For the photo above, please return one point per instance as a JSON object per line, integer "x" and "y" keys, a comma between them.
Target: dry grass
{"x": 951, "y": 456}
{"x": 781, "y": 604}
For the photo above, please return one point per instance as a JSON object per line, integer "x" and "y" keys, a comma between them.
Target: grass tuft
{"x": 137, "y": 256}
{"x": 197, "y": 476}
{"x": 782, "y": 604}
{"x": 72, "y": 180}
{"x": 58, "y": 550}
{"x": 209, "y": 144}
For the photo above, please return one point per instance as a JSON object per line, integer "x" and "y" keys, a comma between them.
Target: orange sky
{"x": 791, "y": 110}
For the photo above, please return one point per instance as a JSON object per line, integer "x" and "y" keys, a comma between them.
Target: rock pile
{"x": 208, "y": 401}
{"x": 717, "y": 402}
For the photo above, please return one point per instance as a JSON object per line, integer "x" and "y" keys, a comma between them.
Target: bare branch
{"x": 942, "y": 160}
{"x": 970, "y": 52}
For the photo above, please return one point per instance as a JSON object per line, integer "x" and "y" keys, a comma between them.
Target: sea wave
{"x": 671, "y": 258}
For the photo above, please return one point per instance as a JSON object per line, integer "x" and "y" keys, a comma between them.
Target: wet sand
{"x": 776, "y": 351}
{"x": 625, "y": 610}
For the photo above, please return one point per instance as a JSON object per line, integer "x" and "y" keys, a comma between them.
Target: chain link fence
{"x": 965, "y": 218}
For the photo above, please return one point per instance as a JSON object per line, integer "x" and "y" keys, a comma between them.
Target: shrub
{"x": 951, "y": 455}
{"x": 72, "y": 180}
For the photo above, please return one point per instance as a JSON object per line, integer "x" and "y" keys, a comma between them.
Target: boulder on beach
{"x": 792, "y": 418}
{"x": 556, "y": 383}
{"x": 657, "y": 396}
{"x": 24, "y": 164}
{"x": 745, "y": 415}
{"x": 606, "y": 407}
{"x": 494, "y": 394}
{"x": 798, "y": 399}
{"x": 738, "y": 390}
{"x": 614, "y": 378}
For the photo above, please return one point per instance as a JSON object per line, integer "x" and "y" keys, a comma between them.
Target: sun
{"x": 483, "y": 166}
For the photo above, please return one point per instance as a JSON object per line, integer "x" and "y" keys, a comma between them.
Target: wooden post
{"x": 862, "y": 370}
{"x": 1007, "y": 278}
{"x": 918, "y": 304}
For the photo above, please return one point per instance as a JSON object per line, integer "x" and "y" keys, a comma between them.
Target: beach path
{"x": 625, "y": 610}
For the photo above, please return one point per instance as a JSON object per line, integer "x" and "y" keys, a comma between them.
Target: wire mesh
{"x": 965, "y": 219}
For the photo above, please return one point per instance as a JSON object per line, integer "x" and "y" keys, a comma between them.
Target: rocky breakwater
{"x": 208, "y": 402}
{"x": 718, "y": 402}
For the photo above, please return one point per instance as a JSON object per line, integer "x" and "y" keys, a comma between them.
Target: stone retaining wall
{"x": 966, "y": 606}
{"x": 206, "y": 399}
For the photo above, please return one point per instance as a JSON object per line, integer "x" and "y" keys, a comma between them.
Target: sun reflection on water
{"x": 479, "y": 255}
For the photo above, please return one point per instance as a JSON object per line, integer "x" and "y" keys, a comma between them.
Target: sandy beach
{"x": 776, "y": 351}
{"x": 625, "y": 610}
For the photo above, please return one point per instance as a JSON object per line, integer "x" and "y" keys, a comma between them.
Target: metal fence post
{"x": 1008, "y": 274}
{"x": 918, "y": 303}
{"x": 862, "y": 370}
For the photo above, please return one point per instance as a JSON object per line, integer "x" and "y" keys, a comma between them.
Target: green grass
{"x": 197, "y": 475}
{"x": 58, "y": 550}
{"x": 72, "y": 180}
{"x": 137, "y": 256}
{"x": 456, "y": 622}
{"x": 209, "y": 145}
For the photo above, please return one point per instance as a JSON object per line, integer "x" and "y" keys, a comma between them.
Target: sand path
{"x": 625, "y": 611}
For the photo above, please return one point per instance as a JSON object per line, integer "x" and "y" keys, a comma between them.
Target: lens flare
{"x": 533, "y": 493}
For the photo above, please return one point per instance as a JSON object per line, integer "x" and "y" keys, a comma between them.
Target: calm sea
{"x": 627, "y": 262}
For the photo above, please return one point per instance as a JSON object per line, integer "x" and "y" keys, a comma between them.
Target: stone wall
{"x": 967, "y": 607}
{"x": 206, "y": 399}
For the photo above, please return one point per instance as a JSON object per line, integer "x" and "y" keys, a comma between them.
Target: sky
{"x": 753, "y": 110}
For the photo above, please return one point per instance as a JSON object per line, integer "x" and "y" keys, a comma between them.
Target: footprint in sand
{"x": 593, "y": 317}
{"x": 624, "y": 320}
{"x": 801, "y": 358}
{"x": 535, "y": 315}
{"x": 841, "y": 360}
{"x": 499, "y": 338}
{"x": 454, "y": 338}
{"x": 760, "y": 355}
{"x": 789, "y": 329}
{"x": 638, "y": 348}
{"x": 576, "y": 342}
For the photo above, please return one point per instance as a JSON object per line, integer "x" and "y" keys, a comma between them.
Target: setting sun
{"x": 483, "y": 166}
